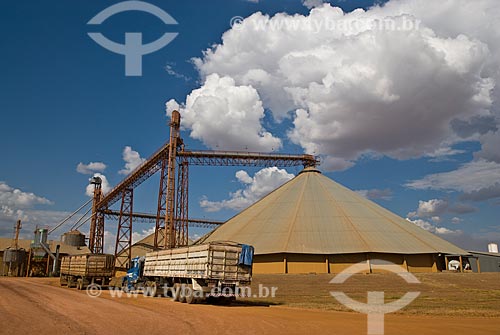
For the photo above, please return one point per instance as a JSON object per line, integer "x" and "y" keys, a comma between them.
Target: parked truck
{"x": 81, "y": 270}
{"x": 216, "y": 270}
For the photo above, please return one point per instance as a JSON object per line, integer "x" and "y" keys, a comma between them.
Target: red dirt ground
{"x": 38, "y": 306}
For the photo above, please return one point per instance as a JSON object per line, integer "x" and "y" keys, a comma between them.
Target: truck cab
{"x": 134, "y": 277}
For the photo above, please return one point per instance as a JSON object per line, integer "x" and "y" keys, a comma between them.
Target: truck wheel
{"x": 176, "y": 292}
{"x": 191, "y": 297}
{"x": 63, "y": 281}
{"x": 151, "y": 289}
{"x": 182, "y": 293}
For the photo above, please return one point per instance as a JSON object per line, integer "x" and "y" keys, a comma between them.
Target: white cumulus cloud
{"x": 105, "y": 186}
{"x": 132, "y": 160}
{"x": 13, "y": 197}
{"x": 470, "y": 177}
{"x": 432, "y": 208}
{"x": 354, "y": 88}
{"x": 226, "y": 116}
{"x": 433, "y": 228}
{"x": 90, "y": 167}
{"x": 375, "y": 193}
{"x": 19, "y": 205}
{"x": 258, "y": 186}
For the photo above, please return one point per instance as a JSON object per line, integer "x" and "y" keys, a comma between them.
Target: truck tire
{"x": 176, "y": 292}
{"x": 191, "y": 296}
{"x": 63, "y": 281}
{"x": 151, "y": 289}
{"x": 182, "y": 293}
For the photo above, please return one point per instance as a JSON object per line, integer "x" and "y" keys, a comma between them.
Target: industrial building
{"x": 485, "y": 261}
{"x": 36, "y": 257}
{"x": 313, "y": 224}
{"x": 145, "y": 245}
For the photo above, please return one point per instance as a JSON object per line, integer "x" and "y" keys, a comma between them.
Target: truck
{"x": 81, "y": 270}
{"x": 214, "y": 271}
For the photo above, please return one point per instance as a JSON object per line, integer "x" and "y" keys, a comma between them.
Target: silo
{"x": 73, "y": 238}
{"x": 36, "y": 244}
{"x": 41, "y": 236}
{"x": 14, "y": 260}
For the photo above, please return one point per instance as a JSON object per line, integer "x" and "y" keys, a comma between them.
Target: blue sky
{"x": 65, "y": 100}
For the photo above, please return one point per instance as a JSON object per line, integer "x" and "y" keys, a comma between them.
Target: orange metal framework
{"x": 169, "y": 231}
{"x": 171, "y": 220}
{"x": 151, "y": 218}
{"x": 181, "y": 214}
{"x": 93, "y": 236}
{"x": 123, "y": 253}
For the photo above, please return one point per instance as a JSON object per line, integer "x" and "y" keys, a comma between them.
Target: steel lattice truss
{"x": 171, "y": 220}
{"x": 147, "y": 218}
{"x": 215, "y": 158}
{"x": 232, "y": 158}
{"x": 124, "y": 237}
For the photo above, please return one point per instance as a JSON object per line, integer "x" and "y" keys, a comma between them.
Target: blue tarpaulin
{"x": 246, "y": 256}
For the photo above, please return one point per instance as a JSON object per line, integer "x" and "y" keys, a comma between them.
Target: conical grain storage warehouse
{"x": 313, "y": 224}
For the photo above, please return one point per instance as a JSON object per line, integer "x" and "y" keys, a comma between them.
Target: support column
{"x": 123, "y": 251}
{"x": 368, "y": 263}
{"x": 161, "y": 209}
{"x": 99, "y": 237}
{"x": 181, "y": 215}
{"x": 170, "y": 233}
{"x": 96, "y": 237}
{"x": 29, "y": 264}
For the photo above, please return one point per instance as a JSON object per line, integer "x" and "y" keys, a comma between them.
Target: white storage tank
{"x": 74, "y": 238}
{"x": 493, "y": 247}
{"x": 15, "y": 262}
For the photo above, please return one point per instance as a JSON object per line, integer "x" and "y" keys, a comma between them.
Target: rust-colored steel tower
{"x": 96, "y": 237}
{"x": 123, "y": 254}
{"x": 171, "y": 219}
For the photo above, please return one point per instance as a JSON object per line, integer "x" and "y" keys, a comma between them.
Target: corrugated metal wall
{"x": 487, "y": 263}
{"x": 308, "y": 263}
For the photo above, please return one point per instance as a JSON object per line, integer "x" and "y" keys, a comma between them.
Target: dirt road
{"x": 34, "y": 306}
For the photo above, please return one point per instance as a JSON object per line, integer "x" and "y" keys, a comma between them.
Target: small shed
{"x": 486, "y": 261}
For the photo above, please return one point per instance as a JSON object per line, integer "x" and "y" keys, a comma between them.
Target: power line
{"x": 69, "y": 217}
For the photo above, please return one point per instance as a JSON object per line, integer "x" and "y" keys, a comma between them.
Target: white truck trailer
{"x": 194, "y": 273}
{"x": 81, "y": 270}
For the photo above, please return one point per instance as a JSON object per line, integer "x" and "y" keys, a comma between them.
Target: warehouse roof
{"x": 493, "y": 254}
{"x": 64, "y": 248}
{"x": 313, "y": 214}
{"x": 142, "y": 247}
